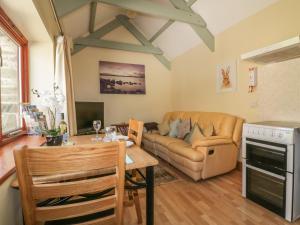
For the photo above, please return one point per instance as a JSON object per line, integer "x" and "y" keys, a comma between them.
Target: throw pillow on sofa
{"x": 195, "y": 134}
{"x": 207, "y": 129}
{"x": 184, "y": 128}
{"x": 163, "y": 128}
{"x": 174, "y": 128}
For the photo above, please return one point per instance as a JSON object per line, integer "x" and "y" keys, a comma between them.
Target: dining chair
{"x": 135, "y": 133}
{"x": 55, "y": 189}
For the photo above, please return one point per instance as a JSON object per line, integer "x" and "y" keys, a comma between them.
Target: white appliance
{"x": 271, "y": 166}
{"x": 285, "y": 50}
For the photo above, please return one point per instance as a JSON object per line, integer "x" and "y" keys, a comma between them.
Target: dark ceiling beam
{"x": 168, "y": 24}
{"x": 124, "y": 20}
{"x": 202, "y": 32}
{"x": 156, "y": 9}
{"x": 93, "y": 10}
{"x": 90, "y": 42}
{"x": 64, "y": 7}
{"x": 190, "y": 3}
{"x": 161, "y": 30}
{"x": 102, "y": 31}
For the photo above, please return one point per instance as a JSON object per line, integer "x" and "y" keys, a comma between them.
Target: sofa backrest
{"x": 224, "y": 124}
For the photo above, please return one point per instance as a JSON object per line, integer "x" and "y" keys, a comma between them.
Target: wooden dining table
{"x": 140, "y": 159}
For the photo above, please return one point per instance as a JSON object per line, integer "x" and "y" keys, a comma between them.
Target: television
{"x": 86, "y": 113}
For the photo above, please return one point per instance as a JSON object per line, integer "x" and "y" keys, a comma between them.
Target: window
{"x": 14, "y": 76}
{"x": 10, "y": 84}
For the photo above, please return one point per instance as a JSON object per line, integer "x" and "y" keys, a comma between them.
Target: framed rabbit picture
{"x": 226, "y": 77}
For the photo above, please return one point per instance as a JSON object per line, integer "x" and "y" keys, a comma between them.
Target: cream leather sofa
{"x": 208, "y": 157}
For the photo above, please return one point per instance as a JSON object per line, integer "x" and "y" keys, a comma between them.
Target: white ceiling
{"x": 179, "y": 37}
{"x": 25, "y": 16}
{"x": 76, "y": 23}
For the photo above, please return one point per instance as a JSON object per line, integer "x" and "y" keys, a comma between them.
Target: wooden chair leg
{"x": 129, "y": 200}
{"x": 137, "y": 204}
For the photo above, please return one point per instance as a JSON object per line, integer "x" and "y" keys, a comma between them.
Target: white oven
{"x": 270, "y": 167}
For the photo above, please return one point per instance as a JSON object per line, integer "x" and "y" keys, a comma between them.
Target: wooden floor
{"x": 216, "y": 201}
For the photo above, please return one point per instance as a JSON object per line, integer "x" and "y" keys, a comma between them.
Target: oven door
{"x": 266, "y": 189}
{"x": 268, "y": 156}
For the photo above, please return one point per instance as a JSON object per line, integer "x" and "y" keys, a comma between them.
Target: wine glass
{"x": 97, "y": 127}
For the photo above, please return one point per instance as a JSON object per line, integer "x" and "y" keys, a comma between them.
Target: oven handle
{"x": 266, "y": 172}
{"x": 266, "y": 146}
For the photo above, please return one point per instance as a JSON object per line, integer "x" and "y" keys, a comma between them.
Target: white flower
{"x": 53, "y": 100}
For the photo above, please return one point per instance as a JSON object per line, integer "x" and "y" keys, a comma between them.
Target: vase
{"x": 54, "y": 140}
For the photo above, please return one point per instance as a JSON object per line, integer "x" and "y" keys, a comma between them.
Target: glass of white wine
{"x": 97, "y": 127}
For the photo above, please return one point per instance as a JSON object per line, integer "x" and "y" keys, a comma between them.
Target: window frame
{"x": 11, "y": 29}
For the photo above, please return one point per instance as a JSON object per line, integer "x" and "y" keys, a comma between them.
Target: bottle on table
{"x": 63, "y": 127}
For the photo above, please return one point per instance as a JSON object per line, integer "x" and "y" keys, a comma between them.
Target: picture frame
{"x": 122, "y": 78}
{"x": 226, "y": 77}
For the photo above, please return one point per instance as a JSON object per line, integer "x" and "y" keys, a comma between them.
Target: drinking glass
{"x": 97, "y": 127}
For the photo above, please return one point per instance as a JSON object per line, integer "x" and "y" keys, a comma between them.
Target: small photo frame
{"x": 226, "y": 77}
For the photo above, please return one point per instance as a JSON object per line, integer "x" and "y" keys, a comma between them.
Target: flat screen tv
{"x": 86, "y": 113}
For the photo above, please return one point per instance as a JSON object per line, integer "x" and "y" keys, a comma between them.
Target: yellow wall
{"x": 194, "y": 73}
{"x": 119, "y": 108}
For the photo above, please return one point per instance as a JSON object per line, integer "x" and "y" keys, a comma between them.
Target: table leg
{"x": 150, "y": 195}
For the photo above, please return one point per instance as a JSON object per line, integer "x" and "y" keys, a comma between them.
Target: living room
{"x": 207, "y": 65}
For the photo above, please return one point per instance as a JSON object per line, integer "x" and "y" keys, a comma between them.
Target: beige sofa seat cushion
{"x": 184, "y": 149}
{"x": 150, "y": 136}
{"x": 211, "y": 142}
{"x": 166, "y": 140}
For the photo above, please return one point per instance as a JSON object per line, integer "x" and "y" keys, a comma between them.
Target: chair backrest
{"x": 135, "y": 131}
{"x": 34, "y": 165}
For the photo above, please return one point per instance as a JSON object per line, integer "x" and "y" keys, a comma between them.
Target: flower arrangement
{"x": 54, "y": 101}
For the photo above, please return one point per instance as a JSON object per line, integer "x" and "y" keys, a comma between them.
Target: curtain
{"x": 64, "y": 79}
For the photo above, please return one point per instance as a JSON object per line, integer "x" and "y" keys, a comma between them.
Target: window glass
{"x": 10, "y": 83}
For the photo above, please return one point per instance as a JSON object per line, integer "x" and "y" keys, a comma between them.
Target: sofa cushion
{"x": 195, "y": 134}
{"x": 207, "y": 129}
{"x": 184, "y": 128}
{"x": 224, "y": 124}
{"x": 166, "y": 140}
{"x": 184, "y": 149}
{"x": 174, "y": 128}
{"x": 150, "y": 136}
{"x": 211, "y": 142}
{"x": 163, "y": 128}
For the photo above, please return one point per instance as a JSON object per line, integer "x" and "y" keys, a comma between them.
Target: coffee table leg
{"x": 150, "y": 195}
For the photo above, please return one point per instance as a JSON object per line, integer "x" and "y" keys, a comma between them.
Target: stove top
{"x": 279, "y": 124}
{"x": 273, "y": 131}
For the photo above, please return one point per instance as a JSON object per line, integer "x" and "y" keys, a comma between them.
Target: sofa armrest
{"x": 218, "y": 159}
{"x": 211, "y": 141}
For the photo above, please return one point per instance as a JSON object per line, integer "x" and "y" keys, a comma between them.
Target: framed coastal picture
{"x": 122, "y": 78}
{"x": 226, "y": 77}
